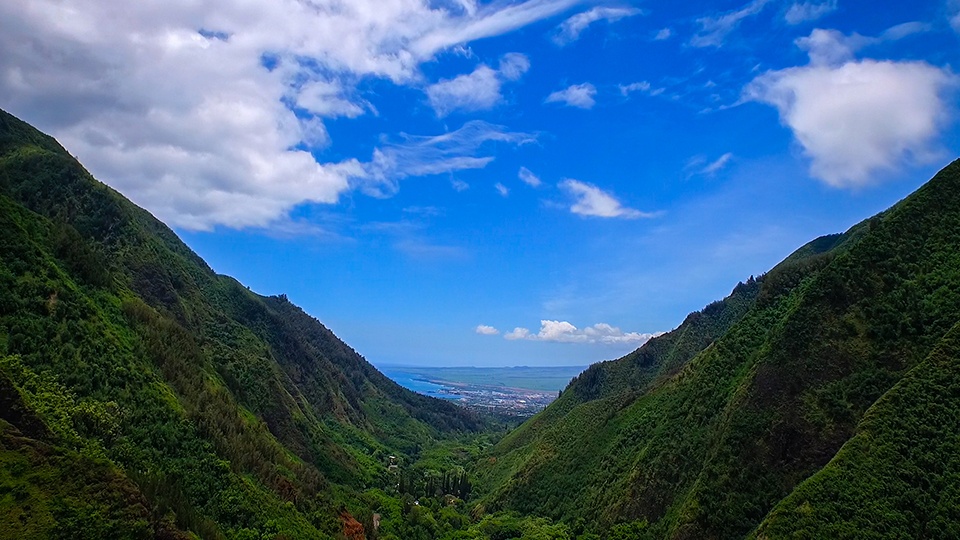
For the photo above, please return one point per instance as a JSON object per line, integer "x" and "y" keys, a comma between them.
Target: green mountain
{"x": 819, "y": 400}
{"x": 143, "y": 395}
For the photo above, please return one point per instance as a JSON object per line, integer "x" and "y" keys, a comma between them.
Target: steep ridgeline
{"x": 819, "y": 400}
{"x": 143, "y": 395}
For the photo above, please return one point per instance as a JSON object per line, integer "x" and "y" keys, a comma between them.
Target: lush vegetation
{"x": 145, "y": 393}
{"x": 700, "y": 433}
{"x": 144, "y": 396}
{"x": 899, "y": 476}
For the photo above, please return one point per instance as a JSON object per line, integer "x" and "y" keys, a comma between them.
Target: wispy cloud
{"x": 565, "y": 332}
{"x": 663, "y": 34}
{"x": 570, "y": 29}
{"x": 643, "y": 87}
{"x": 493, "y": 20}
{"x": 503, "y": 190}
{"x": 417, "y": 155}
{"x": 577, "y": 95}
{"x": 589, "y": 200}
{"x": 527, "y": 177}
{"x": 715, "y": 166}
{"x": 801, "y": 12}
{"x": 714, "y": 30}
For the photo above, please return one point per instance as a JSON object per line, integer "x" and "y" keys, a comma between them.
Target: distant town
{"x": 519, "y": 391}
{"x": 517, "y": 402}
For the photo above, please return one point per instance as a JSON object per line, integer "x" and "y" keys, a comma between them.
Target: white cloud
{"x": 715, "y": 166}
{"x": 627, "y": 89}
{"x": 513, "y": 66}
{"x": 592, "y": 201}
{"x": 492, "y": 20}
{"x": 517, "y": 333}
{"x": 857, "y": 118}
{"x": 501, "y": 189}
{"x": 643, "y": 87}
{"x": 713, "y": 30}
{"x": 565, "y": 332}
{"x": 801, "y": 12}
{"x": 419, "y": 155}
{"x": 577, "y": 95}
{"x": 459, "y": 185}
{"x": 903, "y": 30}
{"x": 570, "y": 29}
{"x": 830, "y": 47}
{"x": 833, "y": 47}
{"x": 527, "y": 176}
{"x": 663, "y": 34}
{"x": 486, "y": 330}
{"x": 476, "y": 91}
{"x": 325, "y": 98}
{"x": 185, "y": 107}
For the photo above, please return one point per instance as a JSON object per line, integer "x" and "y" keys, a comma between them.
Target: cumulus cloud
{"x": 570, "y": 29}
{"x": 589, "y": 200}
{"x": 187, "y": 108}
{"x": 855, "y": 118}
{"x": 527, "y": 177}
{"x": 714, "y": 30}
{"x": 577, "y": 95}
{"x": 416, "y": 155}
{"x": 800, "y": 12}
{"x": 476, "y": 91}
{"x": 486, "y": 330}
{"x": 517, "y": 333}
{"x": 565, "y": 332}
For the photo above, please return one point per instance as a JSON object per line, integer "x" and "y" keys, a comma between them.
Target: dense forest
{"x": 144, "y": 396}
{"x": 816, "y": 401}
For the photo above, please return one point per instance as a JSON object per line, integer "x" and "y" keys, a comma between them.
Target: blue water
{"x": 413, "y": 381}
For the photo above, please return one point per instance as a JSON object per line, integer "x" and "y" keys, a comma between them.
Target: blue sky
{"x": 496, "y": 183}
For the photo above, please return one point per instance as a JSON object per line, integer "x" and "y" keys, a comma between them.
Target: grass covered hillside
{"x": 142, "y": 395}
{"x": 815, "y": 400}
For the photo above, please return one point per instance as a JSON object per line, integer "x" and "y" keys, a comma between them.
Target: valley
{"x": 143, "y": 395}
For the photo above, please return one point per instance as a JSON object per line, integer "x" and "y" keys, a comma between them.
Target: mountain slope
{"x": 899, "y": 476}
{"x": 704, "y": 443}
{"x": 217, "y": 411}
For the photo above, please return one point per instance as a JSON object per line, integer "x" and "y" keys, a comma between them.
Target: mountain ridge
{"x": 205, "y": 384}
{"x": 704, "y": 448}
{"x": 142, "y": 395}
